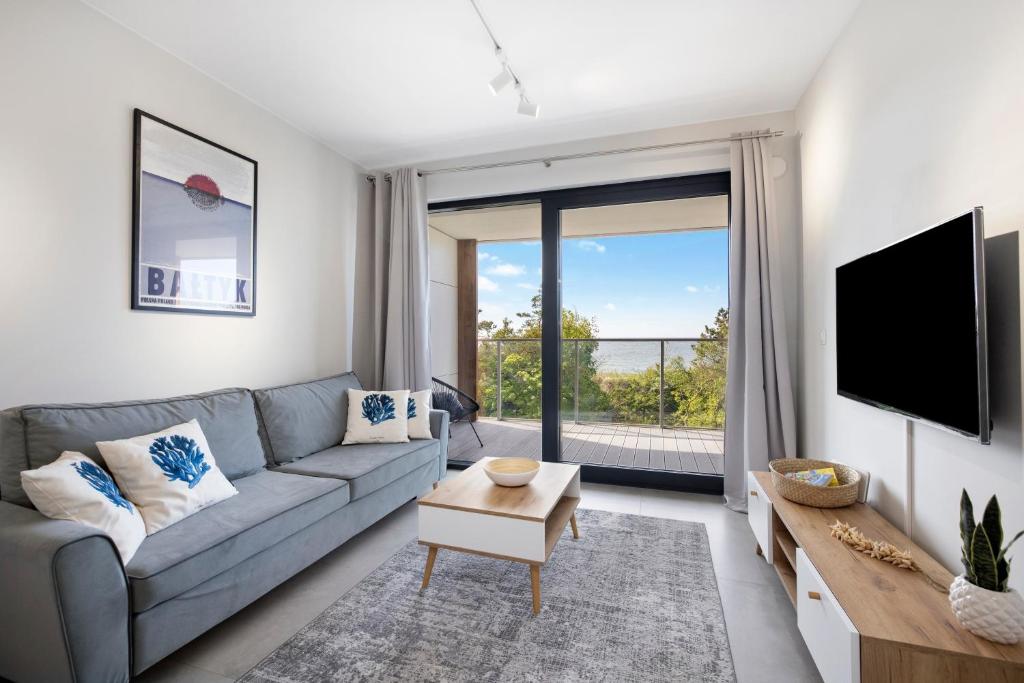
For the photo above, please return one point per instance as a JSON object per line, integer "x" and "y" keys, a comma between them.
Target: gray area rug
{"x": 634, "y": 599}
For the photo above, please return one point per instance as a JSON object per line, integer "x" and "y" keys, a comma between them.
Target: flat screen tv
{"x": 910, "y": 327}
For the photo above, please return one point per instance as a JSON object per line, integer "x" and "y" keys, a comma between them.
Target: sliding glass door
{"x": 623, "y": 342}
{"x": 644, "y": 302}
{"x": 486, "y": 308}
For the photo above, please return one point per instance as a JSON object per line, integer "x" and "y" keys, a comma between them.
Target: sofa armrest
{"x": 64, "y": 601}
{"x": 439, "y": 430}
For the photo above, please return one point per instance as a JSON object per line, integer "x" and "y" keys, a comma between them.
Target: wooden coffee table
{"x": 472, "y": 514}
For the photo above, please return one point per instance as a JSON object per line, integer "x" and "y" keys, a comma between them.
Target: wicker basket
{"x": 809, "y": 494}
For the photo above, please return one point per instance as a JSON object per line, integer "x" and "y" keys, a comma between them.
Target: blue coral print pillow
{"x": 419, "y": 415}
{"x": 75, "y": 488}
{"x": 169, "y": 474}
{"x": 377, "y": 417}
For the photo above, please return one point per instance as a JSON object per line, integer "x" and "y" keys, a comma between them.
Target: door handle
{"x": 754, "y": 493}
{"x": 814, "y": 595}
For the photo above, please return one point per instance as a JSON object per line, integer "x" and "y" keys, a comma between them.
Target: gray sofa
{"x": 70, "y": 611}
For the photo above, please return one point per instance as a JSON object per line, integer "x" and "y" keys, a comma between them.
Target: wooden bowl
{"x": 511, "y": 471}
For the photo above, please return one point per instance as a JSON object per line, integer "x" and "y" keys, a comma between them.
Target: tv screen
{"x": 910, "y": 327}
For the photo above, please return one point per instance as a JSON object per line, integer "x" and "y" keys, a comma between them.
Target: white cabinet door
{"x": 831, "y": 638}
{"x": 759, "y": 514}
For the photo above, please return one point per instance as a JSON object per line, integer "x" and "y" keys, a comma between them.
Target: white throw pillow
{"x": 418, "y": 410}
{"x": 169, "y": 475}
{"x": 377, "y": 417}
{"x": 75, "y": 488}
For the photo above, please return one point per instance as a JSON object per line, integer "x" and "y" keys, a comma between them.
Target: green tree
{"x": 521, "y": 363}
{"x": 700, "y": 391}
{"x": 694, "y": 389}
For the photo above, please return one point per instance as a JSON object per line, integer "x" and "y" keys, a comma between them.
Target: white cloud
{"x": 483, "y": 256}
{"x": 527, "y": 285}
{"x": 486, "y": 284}
{"x": 506, "y": 270}
{"x": 491, "y": 311}
{"x": 712, "y": 290}
{"x": 691, "y": 289}
{"x": 591, "y": 245}
{"x": 609, "y": 306}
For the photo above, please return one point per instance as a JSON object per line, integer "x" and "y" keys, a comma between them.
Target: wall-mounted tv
{"x": 910, "y": 327}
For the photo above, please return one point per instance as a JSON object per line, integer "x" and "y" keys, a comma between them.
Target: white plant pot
{"x": 990, "y": 614}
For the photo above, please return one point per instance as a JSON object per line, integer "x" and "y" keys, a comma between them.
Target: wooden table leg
{"x": 535, "y": 584}
{"x": 431, "y": 556}
{"x": 575, "y": 529}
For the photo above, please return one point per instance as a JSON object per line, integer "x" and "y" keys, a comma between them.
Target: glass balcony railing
{"x": 671, "y": 382}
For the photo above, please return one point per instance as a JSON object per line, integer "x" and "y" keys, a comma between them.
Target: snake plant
{"x": 983, "y": 554}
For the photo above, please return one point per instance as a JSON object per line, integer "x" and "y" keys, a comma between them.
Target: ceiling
{"x": 522, "y": 222}
{"x": 390, "y": 82}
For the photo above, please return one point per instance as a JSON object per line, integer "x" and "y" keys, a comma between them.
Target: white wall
{"x": 69, "y": 82}
{"x": 444, "y": 301}
{"x": 914, "y": 117}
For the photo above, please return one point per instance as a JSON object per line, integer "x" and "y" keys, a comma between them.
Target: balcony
{"x": 654, "y": 404}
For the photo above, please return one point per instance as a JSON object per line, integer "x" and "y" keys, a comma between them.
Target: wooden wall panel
{"x": 468, "y": 305}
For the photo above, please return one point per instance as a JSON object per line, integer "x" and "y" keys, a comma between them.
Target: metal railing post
{"x": 576, "y": 386}
{"x": 498, "y": 393}
{"x": 661, "y": 386}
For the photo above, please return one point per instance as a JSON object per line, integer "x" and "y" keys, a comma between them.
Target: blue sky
{"x": 656, "y": 285}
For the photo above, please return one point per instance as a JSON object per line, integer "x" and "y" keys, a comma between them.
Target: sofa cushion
{"x": 300, "y": 419}
{"x": 227, "y": 417}
{"x": 169, "y": 475}
{"x": 13, "y": 459}
{"x": 74, "y": 488}
{"x": 366, "y": 467}
{"x": 377, "y": 417}
{"x": 269, "y": 507}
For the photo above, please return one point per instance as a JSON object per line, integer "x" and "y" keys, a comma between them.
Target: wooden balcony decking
{"x": 635, "y": 446}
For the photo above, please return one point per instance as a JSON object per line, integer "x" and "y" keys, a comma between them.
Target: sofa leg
{"x": 436, "y": 484}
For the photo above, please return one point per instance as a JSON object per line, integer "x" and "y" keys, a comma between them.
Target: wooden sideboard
{"x": 863, "y": 619}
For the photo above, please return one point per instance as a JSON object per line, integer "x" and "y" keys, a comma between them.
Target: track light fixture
{"x": 506, "y": 76}
{"x": 526, "y": 107}
{"x": 501, "y": 81}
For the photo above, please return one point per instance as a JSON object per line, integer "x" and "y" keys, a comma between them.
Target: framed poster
{"x": 193, "y": 223}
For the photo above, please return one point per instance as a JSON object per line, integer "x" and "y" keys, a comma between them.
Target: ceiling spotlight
{"x": 501, "y": 81}
{"x": 507, "y": 76}
{"x": 527, "y": 108}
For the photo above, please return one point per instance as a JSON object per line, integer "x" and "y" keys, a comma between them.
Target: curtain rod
{"x": 547, "y": 161}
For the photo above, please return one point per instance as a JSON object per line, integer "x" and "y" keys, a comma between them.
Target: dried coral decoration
{"x": 880, "y": 550}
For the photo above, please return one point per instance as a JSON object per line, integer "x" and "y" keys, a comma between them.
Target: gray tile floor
{"x": 766, "y": 645}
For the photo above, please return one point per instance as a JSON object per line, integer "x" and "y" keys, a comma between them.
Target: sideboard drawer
{"x": 759, "y": 515}
{"x": 831, "y": 637}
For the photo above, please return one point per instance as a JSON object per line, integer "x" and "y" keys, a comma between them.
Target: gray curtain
{"x": 401, "y": 284}
{"x": 760, "y": 420}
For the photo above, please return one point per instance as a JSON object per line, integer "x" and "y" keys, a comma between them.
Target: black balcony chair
{"x": 459, "y": 405}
